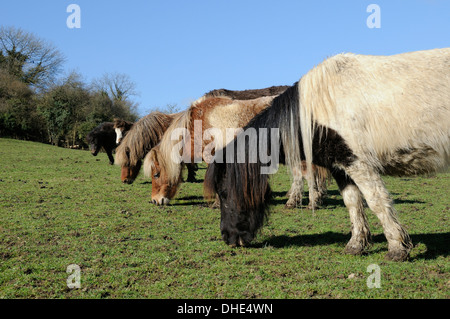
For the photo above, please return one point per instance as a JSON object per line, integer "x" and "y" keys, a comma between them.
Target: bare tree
{"x": 34, "y": 61}
{"x": 168, "y": 109}
{"x": 118, "y": 86}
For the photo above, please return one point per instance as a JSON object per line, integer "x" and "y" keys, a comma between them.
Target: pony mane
{"x": 215, "y": 111}
{"x": 142, "y": 137}
{"x": 244, "y": 180}
{"x": 181, "y": 120}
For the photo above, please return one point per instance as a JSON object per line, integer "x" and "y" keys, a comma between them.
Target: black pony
{"x": 104, "y": 136}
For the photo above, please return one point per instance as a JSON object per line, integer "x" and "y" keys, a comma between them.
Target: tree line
{"x": 37, "y": 104}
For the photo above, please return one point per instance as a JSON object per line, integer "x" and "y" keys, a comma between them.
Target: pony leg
{"x": 360, "y": 240}
{"x": 110, "y": 156}
{"x": 322, "y": 177}
{"x": 192, "y": 168}
{"x": 295, "y": 194}
{"x": 317, "y": 191}
{"x": 380, "y": 202}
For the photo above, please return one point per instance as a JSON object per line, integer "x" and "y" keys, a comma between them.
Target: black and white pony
{"x": 121, "y": 127}
{"x": 360, "y": 117}
{"x": 104, "y": 136}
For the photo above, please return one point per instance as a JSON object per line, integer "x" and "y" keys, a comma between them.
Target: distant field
{"x": 61, "y": 207}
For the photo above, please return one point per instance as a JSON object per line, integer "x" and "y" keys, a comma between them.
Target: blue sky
{"x": 176, "y": 51}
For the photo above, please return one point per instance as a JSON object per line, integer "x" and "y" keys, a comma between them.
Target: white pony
{"x": 360, "y": 117}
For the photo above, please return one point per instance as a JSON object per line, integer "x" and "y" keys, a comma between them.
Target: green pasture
{"x": 61, "y": 207}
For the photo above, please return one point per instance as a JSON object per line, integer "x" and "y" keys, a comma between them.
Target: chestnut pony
{"x": 139, "y": 140}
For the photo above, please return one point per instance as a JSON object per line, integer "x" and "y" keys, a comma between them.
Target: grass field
{"x": 60, "y": 207}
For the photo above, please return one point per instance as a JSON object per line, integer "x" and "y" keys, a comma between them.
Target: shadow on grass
{"x": 283, "y": 241}
{"x": 437, "y": 244}
{"x": 196, "y": 181}
{"x": 190, "y": 201}
{"x": 279, "y": 198}
{"x": 330, "y": 201}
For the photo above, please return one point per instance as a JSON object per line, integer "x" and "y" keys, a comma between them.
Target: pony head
{"x": 243, "y": 207}
{"x": 94, "y": 145}
{"x": 164, "y": 187}
{"x": 121, "y": 127}
{"x": 129, "y": 173}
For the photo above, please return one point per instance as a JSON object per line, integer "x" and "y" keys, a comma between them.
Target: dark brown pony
{"x": 139, "y": 140}
{"x": 102, "y": 136}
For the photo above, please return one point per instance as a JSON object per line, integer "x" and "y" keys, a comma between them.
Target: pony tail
{"x": 307, "y": 129}
{"x": 289, "y": 131}
{"x": 315, "y": 102}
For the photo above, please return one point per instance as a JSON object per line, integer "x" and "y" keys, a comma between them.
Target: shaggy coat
{"x": 140, "y": 139}
{"x": 360, "y": 117}
{"x": 219, "y": 110}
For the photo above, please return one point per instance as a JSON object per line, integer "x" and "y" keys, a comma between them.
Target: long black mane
{"x": 242, "y": 183}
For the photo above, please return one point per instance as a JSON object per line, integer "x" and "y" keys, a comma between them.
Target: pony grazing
{"x": 215, "y": 112}
{"x": 212, "y": 112}
{"x": 360, "y": 117}
{"x": 138, "y": 141}
{"x": 102, "y": 136}
{"x": 121, "y": 127}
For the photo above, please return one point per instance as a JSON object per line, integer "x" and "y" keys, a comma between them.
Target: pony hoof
{"x": 397, "y": 255}
{"x": 290, "y": 205}
{"x": 355, "y": 251}
{"x": 215, "y": 205}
